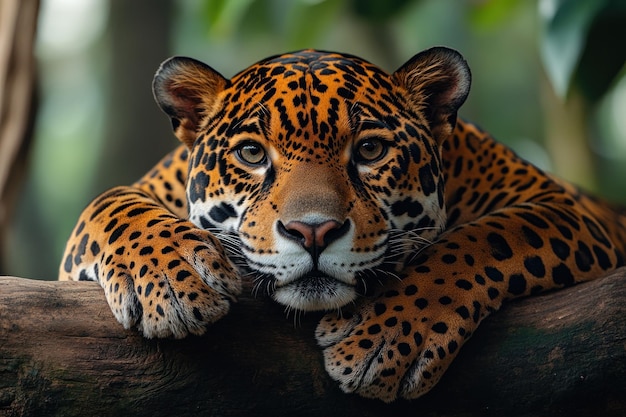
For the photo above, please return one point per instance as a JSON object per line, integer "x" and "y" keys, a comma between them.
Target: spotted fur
{"x": 339, "y": 187}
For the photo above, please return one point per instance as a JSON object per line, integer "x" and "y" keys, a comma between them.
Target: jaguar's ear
{"x": 187, "y": 90}
{"x": 438, "y": 82}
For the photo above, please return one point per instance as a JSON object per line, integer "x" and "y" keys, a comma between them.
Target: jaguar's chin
{"x": 315, "y": 293}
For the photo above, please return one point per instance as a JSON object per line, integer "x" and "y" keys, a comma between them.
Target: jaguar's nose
{"x": 314, "y": 237}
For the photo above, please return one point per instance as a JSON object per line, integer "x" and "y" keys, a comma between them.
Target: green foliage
{"x": 575, "y": 42}
{"x": 489, "y": 14}
{"x": 298, "y": 22}
{"x": 224, "y": 16}
{"x": 376, "y": 11}
{"x": 309, "y": 19}
{"x": 601, "y": 62}
{"x": 576, "y": 45}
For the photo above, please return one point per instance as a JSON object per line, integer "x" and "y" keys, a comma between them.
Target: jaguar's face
{"x": 323, "y": 168}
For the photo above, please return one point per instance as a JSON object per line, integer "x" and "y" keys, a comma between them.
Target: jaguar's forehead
{"x": 311, "y": 94}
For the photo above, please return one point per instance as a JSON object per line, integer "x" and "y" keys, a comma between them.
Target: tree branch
{"x": 63, "y": 353}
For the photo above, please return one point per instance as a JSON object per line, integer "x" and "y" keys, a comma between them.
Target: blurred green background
{"x": 548, "y": 80}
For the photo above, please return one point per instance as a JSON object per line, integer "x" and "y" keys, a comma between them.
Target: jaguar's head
{"x": 325, "y": 169}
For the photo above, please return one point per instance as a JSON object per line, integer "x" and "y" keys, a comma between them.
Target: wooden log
{"x": 63, "y": 354}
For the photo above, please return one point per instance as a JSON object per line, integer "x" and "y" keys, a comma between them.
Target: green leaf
{"x": 566, "y": 25}
{"x": 378, "y": 11}
{"x": 492, "y": 13}
{"x": 309, "y": 19}
{"x": 225, "y": 15}
{"x": 603, "y": 57}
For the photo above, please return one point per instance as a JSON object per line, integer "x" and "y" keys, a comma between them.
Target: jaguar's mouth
{"x": 315, "y": 291}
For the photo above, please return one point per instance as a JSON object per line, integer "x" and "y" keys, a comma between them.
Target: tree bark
{"x": 18, "y": 20}
{"x": 62, "y": 353}
{"x": 137, "y": 132}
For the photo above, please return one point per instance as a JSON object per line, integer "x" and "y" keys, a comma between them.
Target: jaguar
{"x": 335, "y": 186}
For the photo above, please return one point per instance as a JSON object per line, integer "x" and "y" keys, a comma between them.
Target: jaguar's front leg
{"x": 160, "y": 273}
{"x": 399, "y": 344}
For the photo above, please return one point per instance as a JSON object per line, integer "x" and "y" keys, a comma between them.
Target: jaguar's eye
{"x": 370, "y": 150}
{"x": 252, "y": 153}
